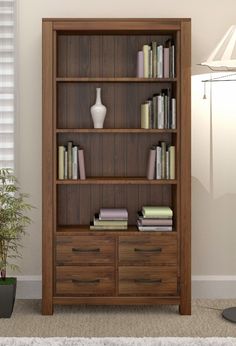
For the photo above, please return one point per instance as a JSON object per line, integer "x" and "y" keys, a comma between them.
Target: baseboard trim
{"x": 203, "y": 286}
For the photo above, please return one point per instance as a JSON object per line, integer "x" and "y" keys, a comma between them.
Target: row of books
{"x": 155, "y": 218}
{"x": 159, "y": 111}
{"x": 71, "y": 162}
{"x": 110, "y": 219}
{"x": 161, "y": 162}
{"x": 156, "y": 60}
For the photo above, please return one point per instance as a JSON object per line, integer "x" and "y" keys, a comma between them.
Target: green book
{"x": 163, "y": 160}
{"x": 97, "y": 222}
{"x": 69, "y": 159}
{"x": 172, "y": 161}
{"x": 157, "y": 212}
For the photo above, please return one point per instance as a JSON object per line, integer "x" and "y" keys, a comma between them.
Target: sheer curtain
{"x": 7, "y": 82}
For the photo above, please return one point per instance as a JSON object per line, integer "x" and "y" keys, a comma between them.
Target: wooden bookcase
{"x": 78, "y": 56}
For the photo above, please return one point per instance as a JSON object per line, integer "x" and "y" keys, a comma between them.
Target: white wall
{"x": 213, "y": 216}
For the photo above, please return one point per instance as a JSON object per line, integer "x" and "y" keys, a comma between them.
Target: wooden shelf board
{"x": 113, "y": 130}
{"x": 117, "y": 181}
{"x": 75, "y": 229}
{"x": 115, "y": 79}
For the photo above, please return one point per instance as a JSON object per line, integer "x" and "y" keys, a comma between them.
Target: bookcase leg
{"x": 47, "y": 308}
{"x": 185, "y": 308}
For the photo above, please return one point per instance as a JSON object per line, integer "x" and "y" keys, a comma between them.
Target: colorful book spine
{"x": 69, "y": 162}
{"x": 157, "y": 212}
{"x": 166, "y": 59}
{"x": 154, "y": 59}
{"x": 163, "y": 160}
{"x": 75, "y": 162}
{"x": 146, "y": 58}
{"x": 173, "y": 113}
{"x": 158, "y": 162}
{"x": 160, "y": 112}
{"x": 113, "y": 214}
{"x": 160, "y": 61}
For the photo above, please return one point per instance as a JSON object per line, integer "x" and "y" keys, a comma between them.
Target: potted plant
{"x": 13, "y": 222}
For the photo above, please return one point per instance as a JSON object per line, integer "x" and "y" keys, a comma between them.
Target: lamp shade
{"x": 223, "y": 57}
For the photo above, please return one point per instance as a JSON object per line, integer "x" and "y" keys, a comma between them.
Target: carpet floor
{"x": 119, "y": 321}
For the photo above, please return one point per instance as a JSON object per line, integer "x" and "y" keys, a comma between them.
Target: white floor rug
{"x": 118, "y": 341}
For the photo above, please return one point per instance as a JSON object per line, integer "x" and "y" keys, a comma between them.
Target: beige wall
{"x": 213, "y": 213}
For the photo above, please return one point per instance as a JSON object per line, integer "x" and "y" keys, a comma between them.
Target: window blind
{"x": 7, "y": 82}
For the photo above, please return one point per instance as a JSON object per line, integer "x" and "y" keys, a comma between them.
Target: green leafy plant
{"x": 13, "y": 220}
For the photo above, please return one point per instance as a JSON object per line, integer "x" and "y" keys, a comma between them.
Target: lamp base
{"x": 230, "y": 314}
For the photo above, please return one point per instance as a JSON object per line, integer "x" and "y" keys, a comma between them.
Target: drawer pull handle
{"x": 158, "y": 249}
{"x": 74, "y": 249}
{"x": 77, "y": 281}
{"x": 148, "y": 281}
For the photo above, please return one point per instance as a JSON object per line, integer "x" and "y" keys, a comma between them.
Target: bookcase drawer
{"x": 85, "y": 280}
{"x": 148, "y": 250}
{"x": 147, "y": 280}
{"x": 85, "y": 250}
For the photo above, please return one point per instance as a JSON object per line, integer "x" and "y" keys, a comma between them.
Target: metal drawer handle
{"x": 77, "y": 281}
{"x": 74, "y": 249}
{"x": 158, "y": 249}
{"x": 148, "y": 281}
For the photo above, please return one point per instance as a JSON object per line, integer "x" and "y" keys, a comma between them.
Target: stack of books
{"x": 155, "y": 219}
{"x": 156, "y": 60}
{"x": 161, "y": 162}
{"x": 71, "y": 162}
{"x": 110, "y": 219}
{"x": 159, "y": 112}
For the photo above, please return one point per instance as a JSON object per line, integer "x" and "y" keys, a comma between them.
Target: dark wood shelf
{"x": 117, "y": 181}
{"x": 75, "y": 229}
{"x": 114, "y": 130}
{"x": 114, "y": 80}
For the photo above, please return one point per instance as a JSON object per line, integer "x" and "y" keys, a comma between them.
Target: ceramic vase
{"x": 98, "y": 111}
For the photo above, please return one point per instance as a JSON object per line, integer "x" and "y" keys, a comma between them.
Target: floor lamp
{"x": 223, "y": 59}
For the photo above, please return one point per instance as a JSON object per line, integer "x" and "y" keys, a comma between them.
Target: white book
{"x": 158, "y": 162}
{"x": 61, "y": 151}
{"x": 155, "y": 228}
{"x": 160, "y": 61}
{"x": 75, "y": 162}
{"x": 173, "y": 113}
{"x": 66, "y": 165}
{"x": 160, "y": 112}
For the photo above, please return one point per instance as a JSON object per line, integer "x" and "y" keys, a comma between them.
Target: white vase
{"x": 98, "y": 111}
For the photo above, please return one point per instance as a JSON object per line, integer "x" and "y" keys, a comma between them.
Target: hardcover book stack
{"x": 110, "y": 219}
{"x": 155, "y": 219}
{"x": 156, "y": 60}
{"x": 159, "y": 112}
{"x": 161, "y": 162}
{"x": 71, "y": 162}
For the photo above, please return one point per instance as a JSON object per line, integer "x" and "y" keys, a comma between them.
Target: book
{"x": 155, "y": 228}
{"x": 160, "y": 61}
{"x": 158, "y": 162}
{"x": 167, "y": 164}
{"x": 146, "y": 50}
{"x": 172, "y": 161}
{"x": 82, "y": 173}
{"x": 154, "y": 107}
{"x": 160, "y": 112}
{"x": 140, "y": 62}
{"x": 163, "y": 160}
{"x": 145, "y": 116}
{"x": 61, "y": 157}
{"x": 151, "y": 163}
{"x": 75, "y": 162}
{"x": 157, "y": 212}
{"x": 150, "y": 113}
{"x": 173, "y": 113}
{"x": 104, "y": 228}
{"x": 166, "y": 59}
{"x": 153, "y": 221}
{"x": 113, "y": 214}
{"x": 150, "y": 63}
{"x": 154, "y": 59}
{"x": 117, "y": 223}
{"x": 172, "y": 61}
{"x": 69, "y": 159}
{"x": 66, "y": 165}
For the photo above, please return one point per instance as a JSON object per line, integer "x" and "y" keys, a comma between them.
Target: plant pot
{"x": 7, "y": 297}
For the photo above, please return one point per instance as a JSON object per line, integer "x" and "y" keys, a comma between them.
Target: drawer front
{"x": 85, "y": 250}
{"x": 85, "y": 281}
{"x": 147, "y": 281}
{"x": 148, "y": 250}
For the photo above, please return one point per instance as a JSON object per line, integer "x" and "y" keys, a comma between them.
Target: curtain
{"x": 7, "y": 82}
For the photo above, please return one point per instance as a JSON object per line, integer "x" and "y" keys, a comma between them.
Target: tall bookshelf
{"x": 78, "y": 56}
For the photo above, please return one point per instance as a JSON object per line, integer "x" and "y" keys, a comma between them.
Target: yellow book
{"x": 172, "y": 161}
{"x": 61, "y": 150}
{"x": 145, "y": 124}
